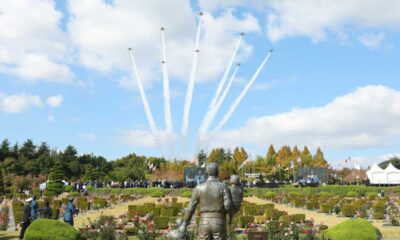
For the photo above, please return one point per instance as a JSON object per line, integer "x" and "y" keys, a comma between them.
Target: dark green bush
{"x": 325, "y": 207}
{"x": 83, "y": 204}
{"x": 168, "y": 212}
{"x": 68, "y": 188}
{"x": 45, "y": 229}
{"x": 378, "y": 216}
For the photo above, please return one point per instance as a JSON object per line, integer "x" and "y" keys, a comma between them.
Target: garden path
{"x": 388, "y": 232}
{"x": 11, "y": 223}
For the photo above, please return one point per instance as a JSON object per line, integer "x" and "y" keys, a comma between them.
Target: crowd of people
{"x": 33, "y": 212}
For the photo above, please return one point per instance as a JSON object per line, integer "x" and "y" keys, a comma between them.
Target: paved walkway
{"x": 388, "y": 232}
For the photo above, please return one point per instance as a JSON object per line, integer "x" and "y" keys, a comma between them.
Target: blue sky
{"x": 332, "y": 80}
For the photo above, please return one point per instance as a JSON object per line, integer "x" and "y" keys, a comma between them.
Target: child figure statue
{"x": 174, "y": 234}
{"x": 237, "y": 192}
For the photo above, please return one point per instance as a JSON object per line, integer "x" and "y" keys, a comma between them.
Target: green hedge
{"x": 161, "y": 222}
{"x": 45, "y": 229}
{"x": 352, "y": 194}
{"x": 56, "y": 203}
{"x": 55, "y": 213}
{"x": 296, "y": 218}
{"x": 272, "y": 213}
{"x": 83, "y": 204}
{"x": 348, "y": 210}
{"x": 353, "y": 229}
{"x": 245, "y": 220}
{"x": 99, "y": 203}
{"x": 325, "y": 207}
{"x": 18, "y": 210}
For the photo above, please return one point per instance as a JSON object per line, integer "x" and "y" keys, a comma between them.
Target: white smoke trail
{"x": 242, "y": 94}
{"x": 190, "y": 88}
{"x": 214, "y": 109}
{"x": 146, "y": 105}
{"x": 227, "y": 70}
{"x": 167, "y": 105}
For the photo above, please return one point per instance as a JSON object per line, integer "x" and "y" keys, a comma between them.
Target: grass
{"x": 9, "y": 235}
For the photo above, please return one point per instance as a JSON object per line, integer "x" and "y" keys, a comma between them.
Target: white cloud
{"x": 55, "y": 101}
{"x": 365, "y": 118}
{"x": 316, "y": 18}
{"x": 18, "y": 103}
{"x": 90, "y": 137}
{"x": 372, "y": 40}
{"x": 102, "y": 33}
{"x": 33, "y": 47}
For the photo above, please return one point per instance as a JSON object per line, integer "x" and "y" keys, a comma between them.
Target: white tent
{"x": 389, "y": 175}
{"x": 393, "y": 174}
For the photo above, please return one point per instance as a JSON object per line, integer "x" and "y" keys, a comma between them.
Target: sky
{"x": 332, "y": 80}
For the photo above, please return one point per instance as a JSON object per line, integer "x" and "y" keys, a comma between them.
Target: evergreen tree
{"x": 28, "y": 150}
{"x": 201, "y": 157}
{"x": 55, "y": 185}
{"x": 4, "y": 149}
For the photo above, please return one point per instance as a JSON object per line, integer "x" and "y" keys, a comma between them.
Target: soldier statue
{"x": 215, "y": 202}
{"x": 237, "y": 193}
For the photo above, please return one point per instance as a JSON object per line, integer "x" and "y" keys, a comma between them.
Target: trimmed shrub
{"x": 68, "y": 188}
{"x": 272, "y": 213}
{"x": 372, "y": 195}
{"x": 325, "y": 207}
{"x": 45, "y": 229}
{"x": 55, "y": 213}
{"x": 244, "y": 221}
{"x": 168, "y": 212}
{"x": 82, "y": 204}
{"x": 352, "y": 194}
{"x": 56, "y": 203}
{"x": 99, "y": 203}
{"x": 296, "y": 218}
{"x": 158, "y": 193}
{"x": 352, "y": 229}
{"x": 269, "y": 195}
{"x": 18, "y": 209}
{"x": 74, "y": 194}
{"x": 161, "y": 222}
{"x": 378, "y": 215}
{"x": 348, "y": 210}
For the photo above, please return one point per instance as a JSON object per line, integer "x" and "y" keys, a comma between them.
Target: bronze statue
{"x": 215, "y": 202}
{"x": 237, "y": 191}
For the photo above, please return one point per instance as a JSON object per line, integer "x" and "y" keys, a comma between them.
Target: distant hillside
{"x": 395, "y": 161}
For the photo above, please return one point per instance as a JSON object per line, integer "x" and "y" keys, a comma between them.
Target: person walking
{"x": 46, "y": 212}
{"x": 26, "y": 218}
{"x": 34, "y": 208}
{"x": 70, "y": 211}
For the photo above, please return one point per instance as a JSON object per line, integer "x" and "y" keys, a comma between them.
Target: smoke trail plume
{"x": 146, "y": 105}
{"x": 242, "y": 94}
{"x": 214, "y": 109}
{"x": 190, "y": 88}
{"x": 167, "y": 105}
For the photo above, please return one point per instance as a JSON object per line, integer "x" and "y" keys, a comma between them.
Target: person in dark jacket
{"x": 26, "y": 218}
{"x": 46, "y": 212}
{"x": 70, "y": 211}
{"x": 34, "y": 208}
